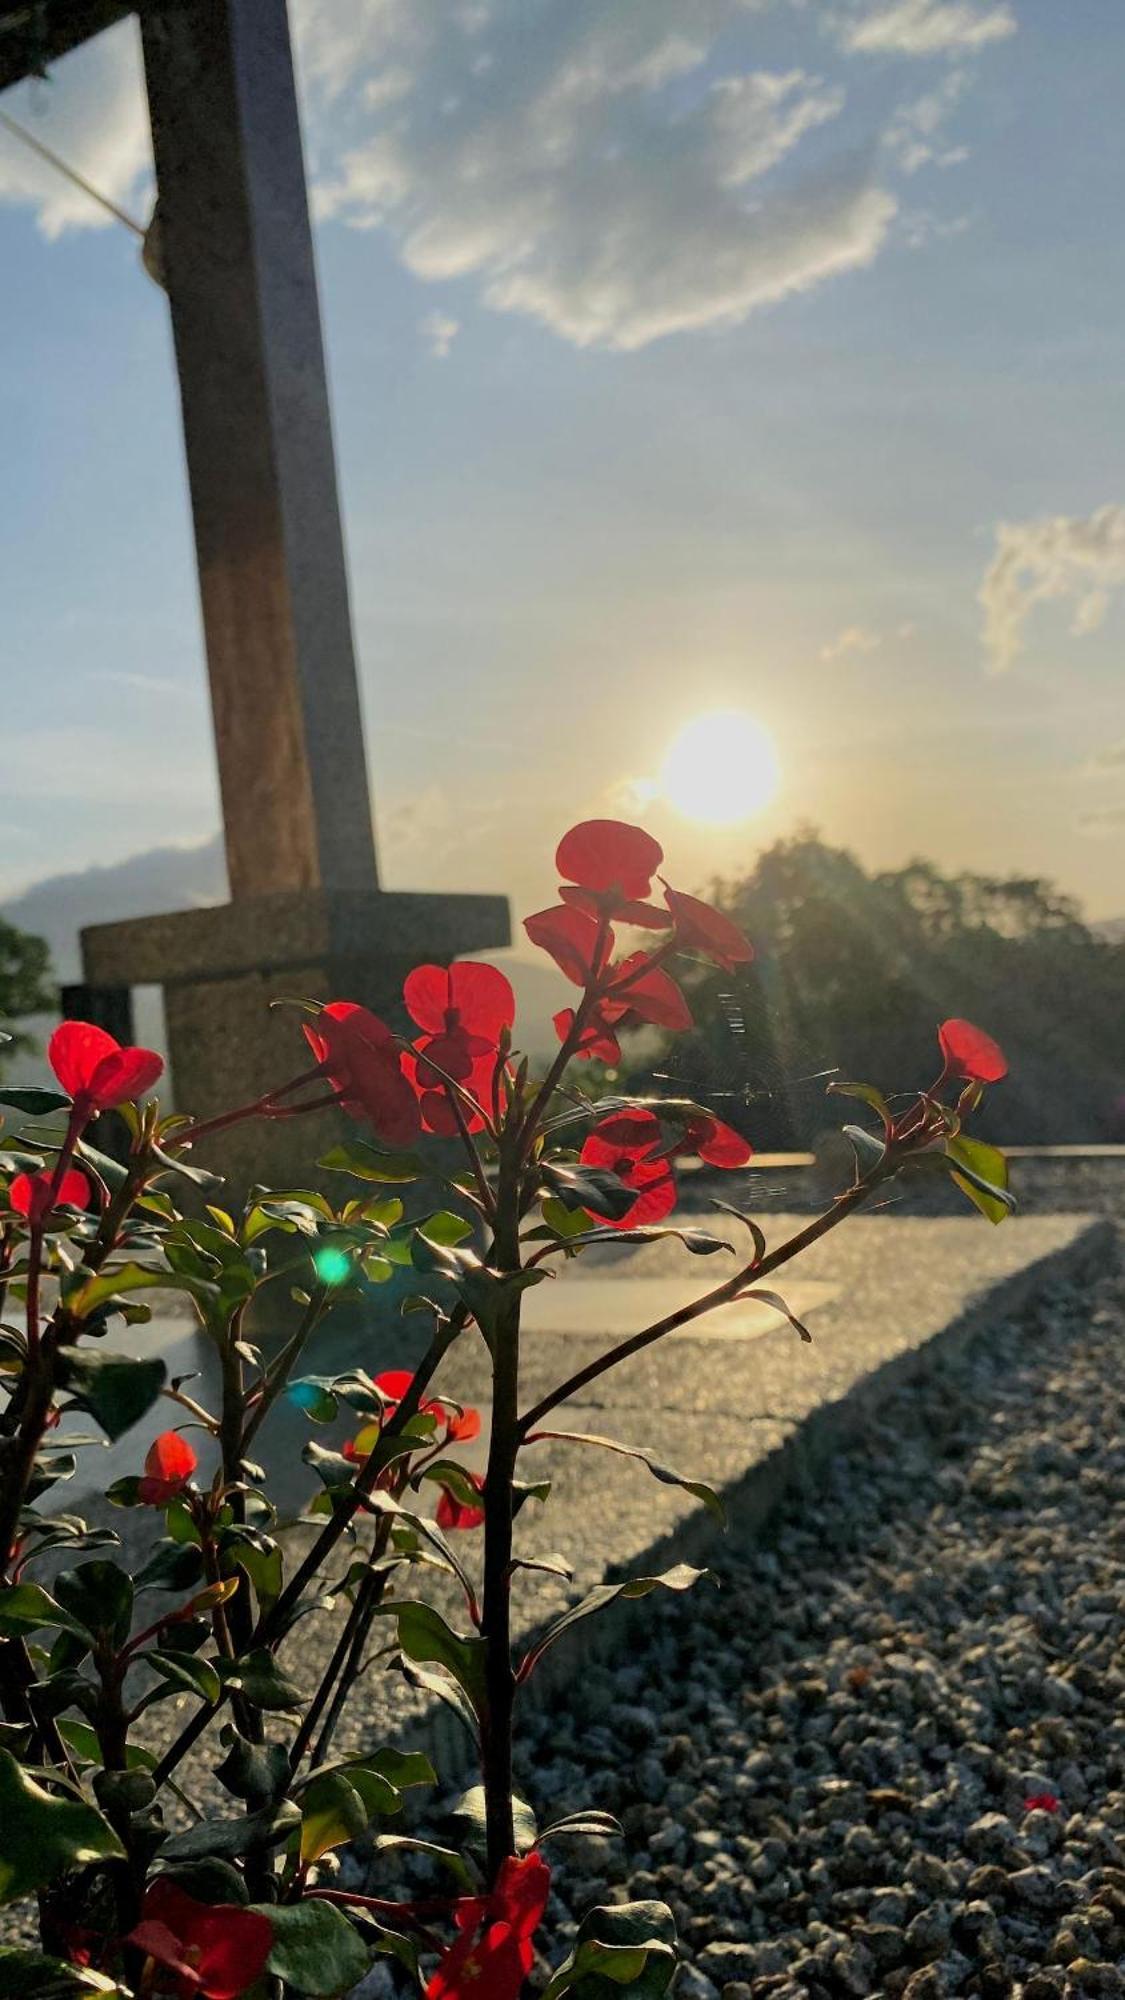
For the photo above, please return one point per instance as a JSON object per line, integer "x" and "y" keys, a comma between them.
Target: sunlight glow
{"x": 720, "y": 769}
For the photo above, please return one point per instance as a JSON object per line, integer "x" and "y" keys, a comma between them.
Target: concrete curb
{"x": 797, "y": 1465}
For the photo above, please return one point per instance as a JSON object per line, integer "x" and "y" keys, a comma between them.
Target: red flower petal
{"x": 425, "y": 993}
{"x": 393, "y": 1384}
{"x": 970, "y": 1053}
{"x": 363, "y": 1060}
{"x": 217, "y": 1949}
{"x": 74, "y": 1052}
{"x": 626, "y": 909}
{"x": 473, "y": 999}
{"x": 571, "y": 938}
{"x": 483, "y": 998}
{"x": 700, "y": 928}
{"x": 629, "y": 1134}
{"x": 463, "y": 1426}
{"x": 624, "y": 1144}
{"x": 453, "y": 1513}
{"x": 1042, "y": 1802}
{"x": 90, "y": 1065}
{"x": 651, "y": 996}
{"x": 123, "y": 1077}
{"x": 608, "y": 854}
{"x": 494, "y": 1953}
{"x": 30, "y": 1194}
{"x": 718, "y": 1144}
{"x": 597, "y": 1037}
{"x": 169, "y": 1464}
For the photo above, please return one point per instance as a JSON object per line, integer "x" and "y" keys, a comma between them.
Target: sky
{"x": 692, "y": 356}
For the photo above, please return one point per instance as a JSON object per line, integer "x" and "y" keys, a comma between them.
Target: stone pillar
{"x": 237, "y": 263}
{"x": 223, "y": 971}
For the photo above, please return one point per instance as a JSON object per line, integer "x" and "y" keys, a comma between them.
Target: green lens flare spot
{"x": 332, "y": 1265}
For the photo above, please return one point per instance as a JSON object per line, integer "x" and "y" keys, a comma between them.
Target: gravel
{"x": 823, "y": 1765}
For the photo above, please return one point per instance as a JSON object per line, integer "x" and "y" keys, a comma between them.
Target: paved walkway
{"x": 740, "y": 1402}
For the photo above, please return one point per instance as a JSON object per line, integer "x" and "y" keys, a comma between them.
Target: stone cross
{"x": 307, "y": 917}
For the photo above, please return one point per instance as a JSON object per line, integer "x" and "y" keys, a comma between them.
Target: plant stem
{"x": 343, "y": 1666}
{"x": 720, "y": 1295}
{"x": 503, "y": 1449}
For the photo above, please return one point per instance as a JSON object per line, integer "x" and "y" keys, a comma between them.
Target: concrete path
{"x": 739, "y": 1401}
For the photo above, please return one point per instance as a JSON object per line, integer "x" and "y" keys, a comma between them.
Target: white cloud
{"x": 860, "y": 639}
{"x": 92, "y": 113}
{"x": 584, "y": 166}
{"x": 615, "y": 172}
{"x": 1080, "y": 559}
{"x": 439, "y": 332}
{"x": 925, "y": 27}
{"x": 853, "y": 639}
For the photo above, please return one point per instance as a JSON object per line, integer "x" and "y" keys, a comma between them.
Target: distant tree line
{"x": 25, "y": 986}
{"x": 854, "y": 970}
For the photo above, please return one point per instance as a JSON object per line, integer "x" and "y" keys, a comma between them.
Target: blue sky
{"x": 699, "y": 354}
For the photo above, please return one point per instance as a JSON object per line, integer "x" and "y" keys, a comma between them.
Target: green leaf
{"x": 27, "y": 1974}
{"x": 44, "y": 1835}
{"x": 447, "y": 1857}
{"x": 332, "y": 1812}
{"x": 258, "y": 1773}
{"x": 183, "y": 1670}
{"x": 696, "y": 1487}
{"x": 680, "y": 1578}
{"x": 445, "y": 1227}
{"x": 261, "y": 1680}
{"x": 33, "y": 1101}
{"x": 99, "y": 1594}
{"x": 584, "y": 1825}
{"x": 593, "y": 1188}
{"x": 444, "y": 1690}
{"x": 867, "y": 1094}
{"x": 775, "y": 1300}
{"x": 982, "y": 1174}
{"x": 115, "y": 1388}
{"x": 82, "y": 1738}
{"x": 425, "y": 1637}
{"x": 315, "y": 1949}
{"x": 228, "y": 1837}
{"x": 368, "y": 1163}
{"x": 100, "y": 1288}
{"x": 24, "y": 1606}
{"x": 631, "y": 1944}
{"x": 870, "y": 1152}
{"x": 468, "y": 1812}
{"x": 564, "y": 1221}
{"x": 698, "y": 1241}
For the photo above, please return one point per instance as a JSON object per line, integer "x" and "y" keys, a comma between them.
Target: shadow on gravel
{"x": 825, "y": 1765}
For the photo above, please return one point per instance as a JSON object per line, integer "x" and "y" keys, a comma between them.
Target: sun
{"x": 722, "y": 768}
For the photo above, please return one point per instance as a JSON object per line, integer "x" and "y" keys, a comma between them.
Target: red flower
{"x": 626, "y": 1143}
{"x": 362, "y": 1058}
{"x": 436, "y": 1111}
{"x": 460, "y": 1425}
{"x": 467, "y": 999}
{"x": 970, "y": 1053}
{"x": 454, "y": 1513}
{"x": 1042, "y": 1802}
{"x": 571, "y": 937}
{"x": 96, "y": 1071}
{"x": 597, "y": 1037}
{"x": 700, "y": 928}
{"x": 169, "y": 1464}
{"x": 494, "y": 1953}
{"x": 215, "y": 1950}
{"x": 30, "y": 1195}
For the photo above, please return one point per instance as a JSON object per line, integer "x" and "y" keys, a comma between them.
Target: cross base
{"x": 221, "y": 969}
